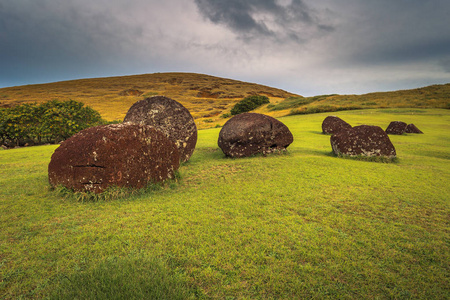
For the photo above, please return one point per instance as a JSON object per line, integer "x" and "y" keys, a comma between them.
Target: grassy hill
{"x": 208, "y": 97}
{"x": 203, "y": 95}
{"x": 435, "y": 96}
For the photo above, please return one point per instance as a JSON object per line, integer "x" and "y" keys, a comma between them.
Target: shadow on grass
{"x": 319, "y": 132}
{"x": 134, "y": 277}
{"x": 310, "y": 151}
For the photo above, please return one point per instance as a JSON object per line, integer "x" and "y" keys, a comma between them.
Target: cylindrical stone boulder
{"x": 169, "y": 116}
{"x": 396, "y": 127}
{"x": 411, "y": 128}
{"x": 124, "y": 155}
{"x": 333, "y": 124}
{"x": 363, "y": 140}
{"x": 248, "y": 134}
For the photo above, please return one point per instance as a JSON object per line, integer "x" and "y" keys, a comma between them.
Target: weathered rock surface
{"x": 333, "y": 124}
{"x": 250, "y": 133}
{"x": 125, "y": 155}
{"x": 411, "y": 128}
{"x": 170, "y": 117}
{"x": 396, "y": 127}
{"x": 363, "y": 140}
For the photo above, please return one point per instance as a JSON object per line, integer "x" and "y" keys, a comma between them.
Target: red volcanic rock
{"x": 363, "y": 140}
{"x": 333, "y": 124}
{"x": 396, "y": 127}
{"x": 125, "y": 155}
{"x": 250, "y": 133}
{"x": 411, "y": 128}
{"x": 170, "y": 117}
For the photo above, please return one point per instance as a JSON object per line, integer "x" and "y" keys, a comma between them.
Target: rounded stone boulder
{"x": 169, "y": 116}
{"x": 248, "y": 134}
{"x": 333, "y": 124}
{"x": 396, "y": 127}
{"x": 124, "y": 155}
{"x": 411, "y": 128}
{"x": 363, "y": 140}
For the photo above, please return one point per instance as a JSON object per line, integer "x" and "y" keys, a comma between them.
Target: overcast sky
{"x": 309, "y": 47}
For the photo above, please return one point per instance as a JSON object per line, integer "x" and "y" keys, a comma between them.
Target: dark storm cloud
{"x": 292, "y": 20}
{"x": 66, "y": 37}
{"x": 386, "y": 32}
{"x": 408, "y": 52}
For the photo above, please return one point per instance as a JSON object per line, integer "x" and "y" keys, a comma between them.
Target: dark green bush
{"x": 248, "y": 104}
{"x": 321, "y": 109}
{"x": 49, "y": 122}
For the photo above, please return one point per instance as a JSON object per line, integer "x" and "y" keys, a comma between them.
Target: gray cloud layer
{"x": 304, "y": 46}
{"x": 264, "y": 18}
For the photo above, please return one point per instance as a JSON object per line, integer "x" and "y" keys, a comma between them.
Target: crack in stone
{"x": 90, "y": 166}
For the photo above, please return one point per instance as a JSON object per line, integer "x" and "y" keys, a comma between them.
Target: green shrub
{"x": 321, "y": 109}
{"x": 49, "y": 122}
{"x": 369, "y": 103}
{"x": 248, "y": 104}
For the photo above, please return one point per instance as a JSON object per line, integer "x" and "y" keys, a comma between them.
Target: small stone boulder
{"x": 396, "y": 127}
{"x": 333, "y": 124}
{"x": 170, "y": 117}
{"x": 247, "y": 134}
{"x": 411, "y": 128}
{"x": 125, "y": 155}
{"x": 363, "y": 140}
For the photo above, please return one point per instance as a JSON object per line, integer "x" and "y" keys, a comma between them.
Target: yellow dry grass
{"x": 206, "y": 97}
{"x": 434, "y": 96}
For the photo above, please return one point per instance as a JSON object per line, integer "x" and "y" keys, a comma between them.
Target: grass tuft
{"x": 110, "y": 194}
{"x": 379, "y": 159}
{"x": 115, "y": 192}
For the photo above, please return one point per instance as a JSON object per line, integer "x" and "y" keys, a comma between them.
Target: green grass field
{"x": 300, "y": 225}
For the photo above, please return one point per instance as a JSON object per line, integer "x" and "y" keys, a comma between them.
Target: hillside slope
{"x": 205, "y": 96}
{"x": 434, "y": 96}
{"x": 209, "y": 97}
